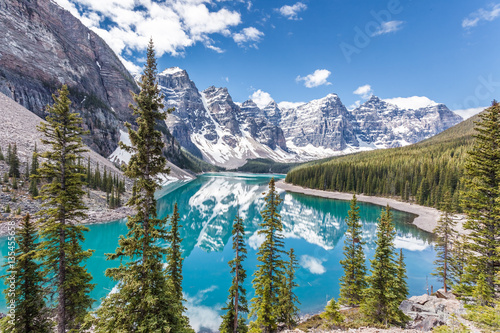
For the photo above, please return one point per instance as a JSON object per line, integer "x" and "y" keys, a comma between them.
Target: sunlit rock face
{"x": 42, "y": 46}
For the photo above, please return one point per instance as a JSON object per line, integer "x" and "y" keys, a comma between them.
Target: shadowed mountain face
{"x": 43, "y": 46}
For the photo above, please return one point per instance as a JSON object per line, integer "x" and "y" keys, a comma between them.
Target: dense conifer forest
{"x": 419, "y": 173}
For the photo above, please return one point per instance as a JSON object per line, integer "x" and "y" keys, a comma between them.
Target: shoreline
{"x": 427, "y": 217}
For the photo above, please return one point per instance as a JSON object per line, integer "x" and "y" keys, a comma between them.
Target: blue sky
{"x": 297, "y": 51}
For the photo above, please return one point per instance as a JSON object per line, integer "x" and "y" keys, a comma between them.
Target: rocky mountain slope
{"x": 43, "y": 46}
{"x": 210, "y": 125}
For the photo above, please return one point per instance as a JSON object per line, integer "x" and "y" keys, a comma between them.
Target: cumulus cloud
{"x": 364, "y": 91}
{"x": 414, "y": 102}
{"x": 467, "y": 113}
{"x": 292, "y": 12}
{"x": 201, "y": 316}
{"x": 482, "y": 14}
{"x": 312, "y": 264}
{"x": 261, "y": 98}
{"x": 256, "y": 240}
{"x": 388, "y": 27}
{"x": 249, "y": 36}
{"x": 173, "y": 25}
{"x": 318, "y": 78}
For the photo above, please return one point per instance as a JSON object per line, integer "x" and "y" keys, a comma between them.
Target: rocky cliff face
{"x": 386, "y": 125}
{"x": 43, "y": 46}
{"x": 211, "y": 126}
{"x": 323, "y": 123}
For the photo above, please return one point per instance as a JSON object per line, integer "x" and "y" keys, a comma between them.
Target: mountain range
{"x": 210, "y": 125}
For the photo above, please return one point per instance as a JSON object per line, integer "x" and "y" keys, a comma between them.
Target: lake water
{"x": 313, "y": 226}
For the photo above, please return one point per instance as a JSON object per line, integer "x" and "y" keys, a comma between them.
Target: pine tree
{"x": 332, "y": 315}
{"x": 457, "y": 262}
{"x": 269, "y": 272}
{"x": 13, "y": 162}
{"x": 34, "y": 162}
{"x": 31, "y": 312}
{"x": 14, "y": 183}
{"x": 2, "y": 158}
{"x": 174, "y": 273}
{"x": 62, "y": 209}
{"x": 144, "y": 300}
{"x": 381, "y": 298}
{"x": 445, "y": 233}
{"x": 401, "y": 285}
{"x": 232, "y": 322}
{"x": 33, "y": 189}
{"x": 482, "y": 293}
{"x": 288, "y": 310}
{"x": 481, "y": 197}
{"x": 27, "y": 171}
{"x": 353, "y": 282}
{"x": 88, "y": 178}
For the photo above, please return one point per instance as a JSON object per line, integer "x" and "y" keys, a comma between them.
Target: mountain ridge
{"x": 210, "y": 125}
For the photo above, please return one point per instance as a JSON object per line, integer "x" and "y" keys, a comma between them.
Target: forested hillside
{"x": 419, "y": 173}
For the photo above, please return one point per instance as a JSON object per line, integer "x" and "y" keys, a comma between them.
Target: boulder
{"x": 445, "y": 295}
{"x": 420, "y": 299}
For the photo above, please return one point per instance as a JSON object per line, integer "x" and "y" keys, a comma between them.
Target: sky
{"x": 410, "y": 51}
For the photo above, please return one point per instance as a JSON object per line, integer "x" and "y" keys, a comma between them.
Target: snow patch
{"x": 120, "y": 155}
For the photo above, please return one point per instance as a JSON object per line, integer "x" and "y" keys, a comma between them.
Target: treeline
{"x": 106, "y": 181}
{"x": 419, "y": 173}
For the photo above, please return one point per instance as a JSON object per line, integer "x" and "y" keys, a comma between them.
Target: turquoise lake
{"x": 313, "y": 226}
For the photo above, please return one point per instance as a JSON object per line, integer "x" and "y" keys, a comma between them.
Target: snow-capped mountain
{"x": 388, "y": 125}
{"x": 210, "y": 125}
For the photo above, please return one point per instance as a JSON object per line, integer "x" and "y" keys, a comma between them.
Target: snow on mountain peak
{"x": 290, "y": 105}
{"x": 172, "y": 71}
{"x": 414, "y": 102}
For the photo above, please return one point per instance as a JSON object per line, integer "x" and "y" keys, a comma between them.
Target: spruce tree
{"x": 2, "y": 158}
{"x": 34, "y": 162}
{"x": 332, "y": 314}
{"x": 144, "y": 300}
{"x": 446, "y": 234}
{"x": 381, "y": 298}
{"x": 232, "y": 322}
{"x": 31, "y": 312}
{"x": 63, "y": 208}
{"x": 353, "y": 282}
{"x": 457, "y": 262}
{"x": 174, "y": 273}
{"x": 401, "y": 285}
{"x": 288, "y": 310}
{"x": 13, "y": 160}
{"x": 265, "y": 304}
{"x": 481, "y": 198}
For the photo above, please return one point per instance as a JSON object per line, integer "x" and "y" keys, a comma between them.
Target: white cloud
{"x": 410, "y": 243}
{"x": 467, "y": 113}
{"x": 482, "y": 14}
{"x": 318, "y": 78}
{"x": 364, "y": 91}
{"x": 174, "y": 25}
{"x": 354, "y": 105}
{"x": 388, "y": 27}
{"x": 414, "y": 102}
{"x": 312, "y": 264}
{"x": 256, "y": 240}
{"x": 291, "y": 12}
{"x": 290, "y": 105}
{"x": 261, "y": 98}
{"x": 201, "y": 316}
{"x": 248, "y": 35}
